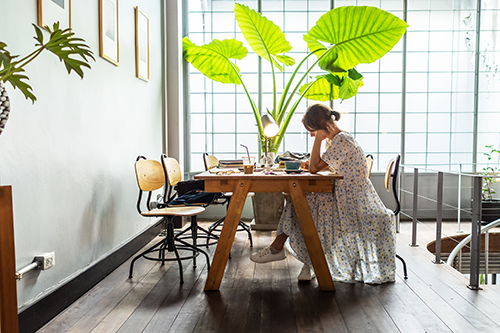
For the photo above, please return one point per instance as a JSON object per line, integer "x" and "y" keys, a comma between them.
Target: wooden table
{"x": 295, "y": 184}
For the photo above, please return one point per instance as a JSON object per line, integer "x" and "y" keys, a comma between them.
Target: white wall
{"x": 70, "y": 156}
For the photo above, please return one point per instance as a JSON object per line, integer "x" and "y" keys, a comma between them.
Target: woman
{"x": 356, "y": 231}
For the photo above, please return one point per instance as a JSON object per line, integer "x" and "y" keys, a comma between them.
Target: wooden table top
{"x": 279, "y": 175}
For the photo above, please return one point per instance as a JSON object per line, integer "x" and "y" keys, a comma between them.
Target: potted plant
{"x": 490, "y": 206}
{"x": 61, "y": 42}
{"x": 341, "y": 39}
{"x": 370, "y": 34}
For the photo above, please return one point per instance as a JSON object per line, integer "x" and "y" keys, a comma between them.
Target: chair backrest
{"x": 172, "y": 169}
{"x": 369, "y": 163}
{"x": 149, "y": 174}
{"x": 391, "y": 175}
{"x": 210, "y": 161}
{"x": 150, "y": 177}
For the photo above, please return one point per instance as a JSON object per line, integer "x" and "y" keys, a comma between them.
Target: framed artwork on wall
{"x": 51, "y": 11}
{"x": 108, "y": 31}
{"x": 141, "y": 45}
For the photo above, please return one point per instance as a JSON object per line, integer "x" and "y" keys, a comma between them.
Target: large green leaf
{"x": 263, "y": 36}
{"x": 333, "y": 86}
{"x": 61, "y": 42}
{"x": 64, "y": 45}
{"x": 213, "y": 59}
{"x": 320, "y": 90}
{"x": 360, "y": 34}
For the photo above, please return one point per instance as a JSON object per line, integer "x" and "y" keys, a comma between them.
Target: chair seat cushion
{"x": 175, "y": 211}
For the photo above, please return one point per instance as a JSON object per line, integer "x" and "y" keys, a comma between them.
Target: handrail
{"x": 467, "y": 239}
{"x": 474, "y": 238}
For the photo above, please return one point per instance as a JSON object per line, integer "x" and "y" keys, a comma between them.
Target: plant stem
{"x": 252, "y": 103}
{"x": 32, "y": 55}
{"x": 29, "y": 58}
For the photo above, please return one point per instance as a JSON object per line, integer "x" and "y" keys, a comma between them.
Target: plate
{"x": 294, "y": 170}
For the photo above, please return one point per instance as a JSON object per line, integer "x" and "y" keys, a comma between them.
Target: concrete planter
{"x": 267, "y": 209}
{"x": 490, "y": 210}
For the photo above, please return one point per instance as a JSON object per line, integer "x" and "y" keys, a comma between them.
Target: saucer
{"x": 294, "y": 170}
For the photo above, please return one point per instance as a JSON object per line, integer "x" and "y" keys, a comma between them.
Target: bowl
{"x": 292, "y": 165}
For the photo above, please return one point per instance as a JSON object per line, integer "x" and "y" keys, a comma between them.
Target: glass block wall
{"x": 429, "y": 114}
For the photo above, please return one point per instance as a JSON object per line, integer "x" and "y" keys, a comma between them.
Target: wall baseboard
{"x": 38, "y": 314}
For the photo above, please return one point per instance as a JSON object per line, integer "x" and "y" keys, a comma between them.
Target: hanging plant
{"x": 61, "y": 42}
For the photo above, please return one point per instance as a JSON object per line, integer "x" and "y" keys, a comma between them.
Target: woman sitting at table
{"x": 356, "y": 231}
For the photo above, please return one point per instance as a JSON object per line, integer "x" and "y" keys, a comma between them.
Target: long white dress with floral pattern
{"x": 356, "y": 231}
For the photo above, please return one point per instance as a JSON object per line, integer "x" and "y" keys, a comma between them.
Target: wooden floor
{"x": 268, "y": 298}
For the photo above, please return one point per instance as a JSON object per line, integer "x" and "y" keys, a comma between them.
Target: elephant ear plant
{"x": 341, "y": 39}
{"x": 61, "y": 42}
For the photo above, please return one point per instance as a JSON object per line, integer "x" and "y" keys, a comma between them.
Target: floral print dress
{"x": 356, "y": 231}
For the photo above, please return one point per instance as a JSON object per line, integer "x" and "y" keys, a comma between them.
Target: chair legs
{"x": 167, "y": 244}
{"x": 404, "y": 266}
{"x": 193, "y": 233}
{"x": 242, "y": 226}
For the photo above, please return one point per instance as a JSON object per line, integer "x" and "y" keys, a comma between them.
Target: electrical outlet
{"x": 46, "y": 260}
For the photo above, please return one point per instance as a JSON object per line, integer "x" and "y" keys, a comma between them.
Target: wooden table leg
{"x": 311, "y": 238}
{"x": 227, "y": 234}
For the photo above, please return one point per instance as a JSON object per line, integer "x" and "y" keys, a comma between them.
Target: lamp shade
{"x": 269, "y": 125}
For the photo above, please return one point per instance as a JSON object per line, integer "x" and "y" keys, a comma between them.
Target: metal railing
{"x": 412, "y": 190}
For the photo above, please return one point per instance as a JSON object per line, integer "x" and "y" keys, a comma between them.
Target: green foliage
{"x": 341, "y": 39}
{"x": 488, "y": 171}
{"x": 61, "y": 42}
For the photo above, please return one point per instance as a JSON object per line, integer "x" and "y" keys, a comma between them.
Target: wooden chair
{"x": 210, "y": 162}
{"x": 150, "y": 177}
{"x": 391, "y": 175}
{"x": 369, "y": 163}
{"x": 173, "y": 174}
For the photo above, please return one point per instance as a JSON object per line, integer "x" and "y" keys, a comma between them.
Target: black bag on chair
{"x": 191, "y": 192}
{"x": 187, "y": 185}
{"x": 195, "y": 197}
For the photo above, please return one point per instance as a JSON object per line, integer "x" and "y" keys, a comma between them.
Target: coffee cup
{"x": 248, "y": 169}
{"x": 248, "y": 160}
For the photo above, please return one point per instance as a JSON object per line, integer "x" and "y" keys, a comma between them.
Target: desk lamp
{"x": 270, "y": 130}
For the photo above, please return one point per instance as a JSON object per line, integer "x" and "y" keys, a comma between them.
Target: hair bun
{"x": 336, "y": 114}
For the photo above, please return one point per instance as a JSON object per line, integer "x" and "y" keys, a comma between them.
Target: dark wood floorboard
{"x": 267, "y": 298}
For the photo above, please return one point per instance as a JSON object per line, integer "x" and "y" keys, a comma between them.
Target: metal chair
{"x": 391, "y": 175}
{"x": 210, "y": 162}
{"x": 150, "y": 177}
{"x": 173, "y": 174}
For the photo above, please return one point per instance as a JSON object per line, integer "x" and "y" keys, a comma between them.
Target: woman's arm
{"x": 315, "y": 162}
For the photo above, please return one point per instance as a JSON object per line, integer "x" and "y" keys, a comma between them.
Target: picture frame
{"x": 109, "y": 46}
{"x": 51, "y": 11}
{"x": 141, "y": 45}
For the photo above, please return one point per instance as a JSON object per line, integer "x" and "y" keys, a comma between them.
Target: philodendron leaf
{"x": 17, "y": 80}
{"x": 64, "y": 45}
{"x": 212, "y": 59}
{"x": 263, "y": 36}
{"x": 360, "y": 34}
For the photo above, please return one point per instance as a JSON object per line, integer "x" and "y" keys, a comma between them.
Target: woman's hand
{"x": 304, "y": 165}
{"x": 320, "y": 135}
